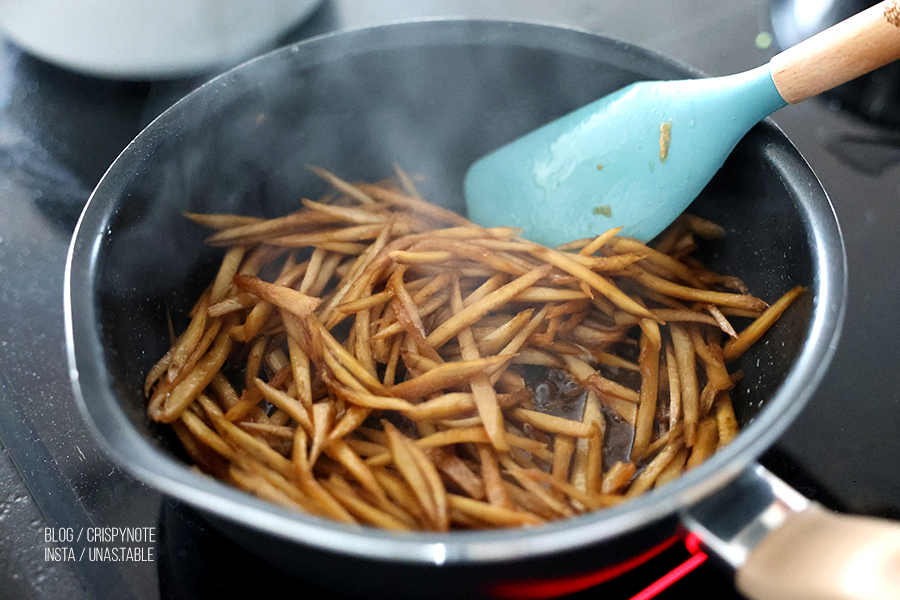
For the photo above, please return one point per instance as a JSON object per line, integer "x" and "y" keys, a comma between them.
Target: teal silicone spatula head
{"x": 638, "y": 157}
{"x": 635, "y": 158}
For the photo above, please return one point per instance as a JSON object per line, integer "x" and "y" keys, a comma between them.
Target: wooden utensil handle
{"x": 851, "y": 48}
{"x": 820, "y": 555}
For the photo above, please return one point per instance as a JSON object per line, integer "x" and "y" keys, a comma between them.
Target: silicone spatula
{"x": 639, "y": 156}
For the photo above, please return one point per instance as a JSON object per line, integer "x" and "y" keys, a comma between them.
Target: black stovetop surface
{"x": 58, "y": 132}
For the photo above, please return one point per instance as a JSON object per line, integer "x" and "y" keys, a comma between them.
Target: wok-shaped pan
{"x": 433, "y": 97}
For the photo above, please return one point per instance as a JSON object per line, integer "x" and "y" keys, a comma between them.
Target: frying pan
{"x": 433, "y": 96}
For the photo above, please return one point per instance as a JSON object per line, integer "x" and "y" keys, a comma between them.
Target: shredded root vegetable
{"x": 378, "y": 360}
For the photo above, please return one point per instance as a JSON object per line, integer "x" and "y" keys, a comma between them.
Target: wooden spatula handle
{"x": 851, "y": 48}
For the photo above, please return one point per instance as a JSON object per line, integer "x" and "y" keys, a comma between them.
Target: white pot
{"x": 148, "y": 38}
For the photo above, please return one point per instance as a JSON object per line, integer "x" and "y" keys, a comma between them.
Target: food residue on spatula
{"x": 665, "y": 137}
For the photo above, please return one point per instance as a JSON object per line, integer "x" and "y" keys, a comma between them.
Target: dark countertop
{"x": 59, "y": 130}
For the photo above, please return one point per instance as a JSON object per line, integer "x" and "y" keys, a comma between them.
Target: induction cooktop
{"x": 58, "y": 132}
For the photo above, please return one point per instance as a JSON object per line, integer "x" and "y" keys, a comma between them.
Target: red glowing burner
{"x": 544, "y": 589}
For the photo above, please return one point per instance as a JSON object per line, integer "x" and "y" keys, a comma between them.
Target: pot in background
{"x": 148, "y": 38}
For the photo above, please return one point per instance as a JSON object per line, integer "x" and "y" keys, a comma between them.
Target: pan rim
{"x": 172, "y": 477}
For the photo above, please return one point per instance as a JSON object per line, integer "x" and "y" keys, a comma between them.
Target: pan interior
{"x": 431, "y": 98}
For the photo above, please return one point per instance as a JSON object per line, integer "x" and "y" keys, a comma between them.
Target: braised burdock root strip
{"x": 378, "y": 360}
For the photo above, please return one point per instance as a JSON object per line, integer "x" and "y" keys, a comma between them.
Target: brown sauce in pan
{"x": 554, "y": 392}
